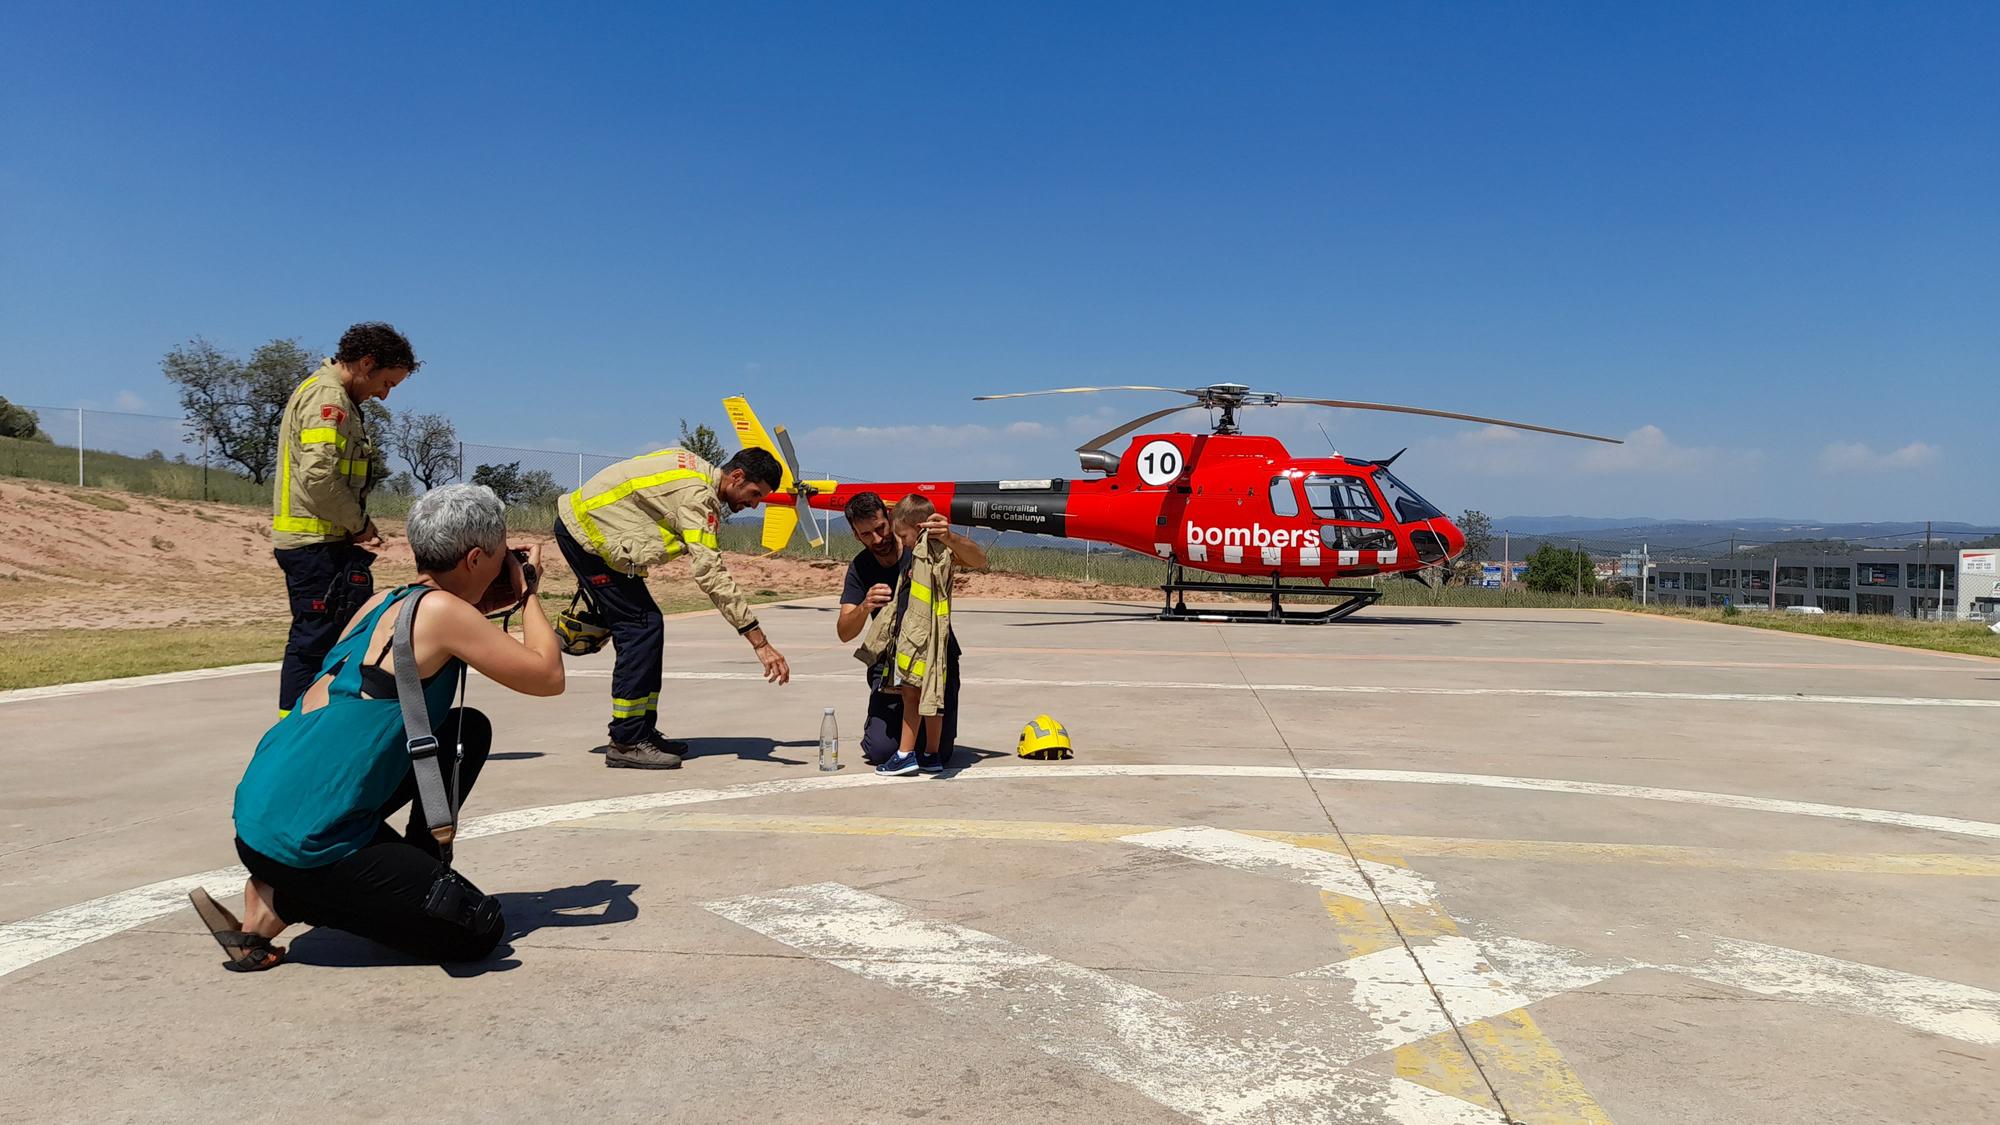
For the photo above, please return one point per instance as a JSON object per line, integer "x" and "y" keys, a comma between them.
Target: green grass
{"x": 61, "y": 656}
{"x": 36, "y": 460}
{"x": 1967, "y": 637}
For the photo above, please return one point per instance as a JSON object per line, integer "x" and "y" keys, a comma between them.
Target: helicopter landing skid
{"x": 1177, "y": 587}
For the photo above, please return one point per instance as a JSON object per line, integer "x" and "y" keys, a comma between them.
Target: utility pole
{"x": 1645, "y": 566}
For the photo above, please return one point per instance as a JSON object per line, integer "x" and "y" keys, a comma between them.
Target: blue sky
{"x": 1764, "y": 240}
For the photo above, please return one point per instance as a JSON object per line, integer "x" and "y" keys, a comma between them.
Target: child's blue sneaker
{"x": 902, "y": 765}
{"x": 930, "y": 763}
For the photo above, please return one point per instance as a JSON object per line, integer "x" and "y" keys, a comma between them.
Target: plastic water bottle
{"x": 829, "y": 743}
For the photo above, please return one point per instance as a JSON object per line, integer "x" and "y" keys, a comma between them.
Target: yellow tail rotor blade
{"x": 751, "y": 434}
{"x": 779, "y": 524}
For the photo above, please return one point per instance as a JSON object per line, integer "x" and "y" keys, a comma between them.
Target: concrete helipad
{"x": 1424, "y": 866}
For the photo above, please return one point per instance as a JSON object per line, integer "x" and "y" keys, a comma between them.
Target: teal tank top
{"x": 314, "y": 790}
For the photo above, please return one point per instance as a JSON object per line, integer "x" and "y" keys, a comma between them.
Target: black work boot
{"x": 649, "y": 753}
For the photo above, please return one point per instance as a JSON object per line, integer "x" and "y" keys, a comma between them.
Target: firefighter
{"x": 320, "y": 530}
{"x": 632, "y": 516}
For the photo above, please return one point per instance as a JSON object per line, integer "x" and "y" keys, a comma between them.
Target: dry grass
{"x": 61, "y": 656}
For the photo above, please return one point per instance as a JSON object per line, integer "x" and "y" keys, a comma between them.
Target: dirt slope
{"x": 96, "y": 559}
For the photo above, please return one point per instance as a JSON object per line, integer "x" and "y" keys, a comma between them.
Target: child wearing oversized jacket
{"x": 918, "y": 641}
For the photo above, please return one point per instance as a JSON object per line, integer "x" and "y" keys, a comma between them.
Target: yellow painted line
{"x": 1535, "y": 1082}
{"x": 1667, "y": 855}
{"x": 1387, "y": 849}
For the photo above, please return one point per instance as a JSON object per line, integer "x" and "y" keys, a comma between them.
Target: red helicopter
{"x": 1226, "y": 502}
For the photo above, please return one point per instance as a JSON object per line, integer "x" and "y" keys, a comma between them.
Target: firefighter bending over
{"x": 634, "y": 515}
{"x": 320, "y": 530}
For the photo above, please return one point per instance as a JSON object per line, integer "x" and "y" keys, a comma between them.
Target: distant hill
{"x": 1601, "y": 535}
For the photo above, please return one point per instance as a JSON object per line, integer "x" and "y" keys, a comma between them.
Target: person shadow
{"x": 748, "y": 749}
{"x": 601, "y": 902}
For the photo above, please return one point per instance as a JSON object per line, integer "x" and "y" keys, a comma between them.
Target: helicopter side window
{"x": 1410, "y": 507}
{"x": 1284, "y": 502}
{"x": 1342, "y": 498}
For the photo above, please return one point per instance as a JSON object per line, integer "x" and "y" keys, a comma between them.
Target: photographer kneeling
{"x": 312, "y": 809}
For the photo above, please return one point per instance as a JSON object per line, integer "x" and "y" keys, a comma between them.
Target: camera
{"x": 500, "y": 595}
{"x": 530, "y": 576}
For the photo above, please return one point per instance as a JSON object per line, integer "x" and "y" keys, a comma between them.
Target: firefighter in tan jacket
{"x": 320, "y": 530}
{"x": 634, "y": 515}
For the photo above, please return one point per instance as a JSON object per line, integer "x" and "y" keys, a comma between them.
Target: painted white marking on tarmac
{"x": 1372, "y": 689}
{"x": 1475, "y": 982}
{"x": 36, "y": 939}
{"x": 1328, "y": 871}
{"x": 92, "y": 687}
{"x": 1247, "y": 1061}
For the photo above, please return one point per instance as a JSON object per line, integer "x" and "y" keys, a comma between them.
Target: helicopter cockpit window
{"x": 1410, "y": 507}
{"x": 1284, "y": 502}
{"x": 1342, "y": 498}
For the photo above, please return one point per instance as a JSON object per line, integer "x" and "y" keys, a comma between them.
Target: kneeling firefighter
{"x": 632, "y": 516}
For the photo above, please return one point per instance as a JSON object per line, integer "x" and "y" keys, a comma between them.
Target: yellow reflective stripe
{"x": 303, "y": 526}
{"x": 922, "y": 593}
{"x": 705, "y": 539}
{"x": 671, "y": 542}
{"x": 913, "y": 667}
{"x": 633, "y": 708}
{"x": 582, "y": 508}
{"x": 322, "y": 435}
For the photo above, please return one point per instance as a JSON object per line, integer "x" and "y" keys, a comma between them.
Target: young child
{"x": 923, "y": 637}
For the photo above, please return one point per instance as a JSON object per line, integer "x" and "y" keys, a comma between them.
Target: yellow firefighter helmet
{"x": 580, "y": 629}
{"x": 1044, "y": 738}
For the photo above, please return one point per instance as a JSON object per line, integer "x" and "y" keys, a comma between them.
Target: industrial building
{"x": 1904, "y": 583}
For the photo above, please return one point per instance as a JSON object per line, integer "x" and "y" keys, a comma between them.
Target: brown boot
{"x": 649, "y": 753}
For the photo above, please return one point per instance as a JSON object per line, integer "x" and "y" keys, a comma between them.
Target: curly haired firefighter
{"x": 916, "y": 640}
{"x": 320, "y": 530}
{"x": 637, "y": 514}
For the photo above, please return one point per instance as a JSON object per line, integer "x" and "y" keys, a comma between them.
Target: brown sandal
{"x": 249, "y": 953}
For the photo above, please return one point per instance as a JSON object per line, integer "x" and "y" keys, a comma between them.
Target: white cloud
{"x": 129, "y": 402}
{"x": 1648, "y": 449}
{"x": 1859, "y": 457}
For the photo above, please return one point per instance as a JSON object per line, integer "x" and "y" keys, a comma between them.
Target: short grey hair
{"x": 448, "y": 521}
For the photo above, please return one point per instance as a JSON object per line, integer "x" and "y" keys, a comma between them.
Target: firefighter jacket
{"x": 321, "y": 484}
{"x": 650, "y": 509}
{"x": 920, "y": 635}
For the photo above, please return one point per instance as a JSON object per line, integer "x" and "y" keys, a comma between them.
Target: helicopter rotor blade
{"x": 1077, "y": 391}
{"x": 1343, "y": 404}
{"x": 1104, "y": 439}
{"x": 800, "y": 488}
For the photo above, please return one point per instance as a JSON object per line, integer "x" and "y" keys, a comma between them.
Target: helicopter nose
{"x": 1454, "y": 539}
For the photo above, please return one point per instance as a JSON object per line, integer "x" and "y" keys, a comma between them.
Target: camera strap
{"x": 440, "y": 804}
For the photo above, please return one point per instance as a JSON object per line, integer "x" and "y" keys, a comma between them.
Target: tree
{"x": 381, "y": 427}
{"x": 235, "y": 405}
{"x": 428, "y": 444}
{"x": 703, "y": 443}
{"x": 1478, "y": 529}
{"x": 402, "y": 484}
{"x": 1560, "y": 570}
{"x": 504, "y": 480}
{"x": 538, "y": 486}
{"x": 512, "y": 486}
{"x": 23, "y": 423}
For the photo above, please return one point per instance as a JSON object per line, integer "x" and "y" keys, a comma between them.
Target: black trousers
{"x": 884, "y": 732}
{"x": 637, "y": 636}
{"x": 326, "y": 583}
{"x": 379, "y": 892}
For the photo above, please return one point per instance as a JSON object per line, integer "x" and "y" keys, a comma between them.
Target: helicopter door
{"x": 1348, "y": 501}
